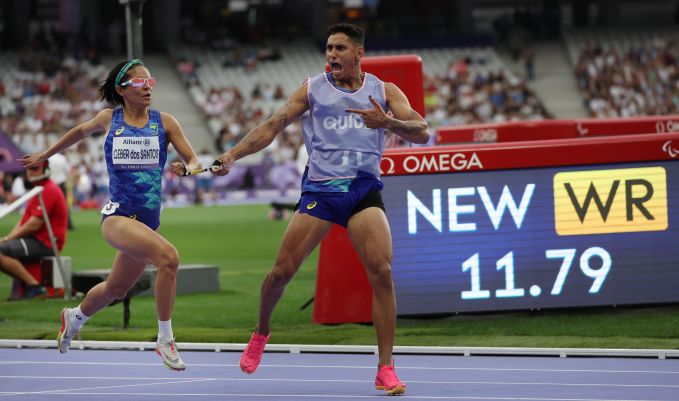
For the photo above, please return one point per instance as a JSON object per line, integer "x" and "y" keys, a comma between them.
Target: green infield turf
{"x": 242, "y": 241}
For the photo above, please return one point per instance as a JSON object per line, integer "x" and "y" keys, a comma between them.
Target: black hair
{"x": 107, "y": 87}
{"x": 354, "y": 32}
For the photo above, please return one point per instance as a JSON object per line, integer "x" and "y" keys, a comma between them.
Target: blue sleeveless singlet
{"x": 135, "y": 158}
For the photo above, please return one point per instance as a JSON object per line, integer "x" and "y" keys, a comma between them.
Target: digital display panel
{"x": 562, "y": 236}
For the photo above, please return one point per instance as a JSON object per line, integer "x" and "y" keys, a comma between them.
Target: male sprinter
{"x": 344, "y": 137}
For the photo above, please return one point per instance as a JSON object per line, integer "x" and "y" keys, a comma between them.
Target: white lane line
{"x": 399, "y": 367}
{"x": 71, "y": 390}
{"x": 447, "y": 382}
{"x": 344, "y": 396}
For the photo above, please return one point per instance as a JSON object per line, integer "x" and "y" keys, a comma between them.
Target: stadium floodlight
{"x": 133, "y": 21}
{"x": 238, "y": 5}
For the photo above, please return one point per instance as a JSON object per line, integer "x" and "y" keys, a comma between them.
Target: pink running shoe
{"x": 388, "y": 381}
{"x": 253, "y": 353}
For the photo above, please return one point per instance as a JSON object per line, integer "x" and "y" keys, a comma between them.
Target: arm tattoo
{"x": 278, "y": 122}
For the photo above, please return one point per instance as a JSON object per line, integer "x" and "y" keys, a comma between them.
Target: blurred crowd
{"x": 461, "y": 97}
{"x": 636, "y": 81}
{"x": 468, "y": 93}
{"x": 39, "y": 100}
{"x": 43, "y": 97}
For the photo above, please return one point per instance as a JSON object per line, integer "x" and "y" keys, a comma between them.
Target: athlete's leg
{"x": 137, "y": 246}
{"x": 124, "y": 274}
{"x": 370, "y": 235}
{"x": 369, "y": 232}
{"x": 301, "y": 237}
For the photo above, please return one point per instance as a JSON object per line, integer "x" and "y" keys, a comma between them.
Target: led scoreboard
{"x": 471, "y": 233}
{"x": 520, "y": 225}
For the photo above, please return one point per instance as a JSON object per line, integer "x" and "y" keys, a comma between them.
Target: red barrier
{"x": 555, "y": 129}
{"x": 636, "y": 125}
{"x": 342, "y": 292}
{"x": 513, "y": 131}
{"x": 525, "y": 154}
{"x": 405, "y": 71}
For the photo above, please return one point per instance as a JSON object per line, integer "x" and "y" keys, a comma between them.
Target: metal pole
{"x": 53, "y": 240}
{"x": 23, "y": 199}
{"x": 133, "y": 23}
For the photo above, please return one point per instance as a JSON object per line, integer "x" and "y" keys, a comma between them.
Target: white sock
{"x": 80, "y": 318}
{"x": 165, "y": 330}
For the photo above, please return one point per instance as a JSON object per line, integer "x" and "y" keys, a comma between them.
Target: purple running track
{"x": 124, "y": 375}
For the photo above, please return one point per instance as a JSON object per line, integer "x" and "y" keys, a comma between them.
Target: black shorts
{"x": 372, "y": 199}
{"x": 26, "y": 249}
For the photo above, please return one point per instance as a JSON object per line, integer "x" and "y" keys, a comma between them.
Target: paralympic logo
{"x": 667, "y": 147}
{"x": 581, "y": 130}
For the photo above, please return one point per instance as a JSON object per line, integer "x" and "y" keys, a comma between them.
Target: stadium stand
{"x": 463, "y": 86}
{"x": 625, "y": 73}
{"x": 238, "y": 88}
{"x": 41, "y": 98}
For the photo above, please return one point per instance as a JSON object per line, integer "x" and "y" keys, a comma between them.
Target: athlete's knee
{"x": 285, "y": 268}
{"x": 377, "y": 264}
{"x": 281, "y": 275}
{"x": 167, "y": 259}
{"x": 379, "y": 275}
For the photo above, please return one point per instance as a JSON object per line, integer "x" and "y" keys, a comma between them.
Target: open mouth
{"x": 335, "y": 67}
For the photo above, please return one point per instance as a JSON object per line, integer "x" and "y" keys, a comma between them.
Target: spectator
{"x": 204, "y": 181}
{"x": 639, "y": 80}
{"x": 529, "y": 62}
{"x": 18, "y": 187}
{"x": 5, "y": 193}
{"x": 61, "y": 169}
{"x": 29, "y": 240}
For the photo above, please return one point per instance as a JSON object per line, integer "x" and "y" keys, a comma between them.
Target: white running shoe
{"x": 167, "y": 349}
{"x": 66, "y": 332}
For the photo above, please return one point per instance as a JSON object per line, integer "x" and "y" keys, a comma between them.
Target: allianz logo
{"x": 145, "y": 142}
{"x": 343, "y": 122}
